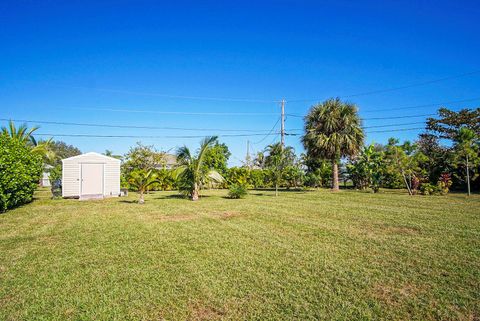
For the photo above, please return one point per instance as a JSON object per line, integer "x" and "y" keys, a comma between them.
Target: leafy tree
{"x": 62, "y": 150}
{"x": 20, "y": 171}
{"x": 142, "y": 157}
{"x": 277, "y": 161}
{"x": 437, "y": 157}
{"x": 366, "y": 170}
{"x": 257, "y": 178}
{"x": 466, "y": 146}
{"x": 450, "y": 122}
{"x": 405, "y": 160}
{"x": 192, "y": 173}
{"x": 217, "y": 157}
{"x": 141, "y": 180}
{"x": 332, "y": 131}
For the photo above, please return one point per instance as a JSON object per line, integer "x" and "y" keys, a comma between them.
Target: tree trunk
{"x": 195, "y": 192}
{"x": 406, "y": 183}
{"x": 468, "y": 179}
{"x": 335, "y": 186}
{"x": 141, "y": 200}
{"x": 276, "y": 189}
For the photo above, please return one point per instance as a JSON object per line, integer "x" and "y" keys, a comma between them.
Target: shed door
{"x": 92, "y": 179}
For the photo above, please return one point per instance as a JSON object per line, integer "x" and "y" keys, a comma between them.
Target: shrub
{"x": 444, "y": 182}
{"x": 430, "y": 189}
{"x": 20, "y": 172}
{"x": 56, "y": 181}
{"x": 237, "y": 191}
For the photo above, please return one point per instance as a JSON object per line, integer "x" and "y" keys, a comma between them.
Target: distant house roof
{"x": 170, "y": 159}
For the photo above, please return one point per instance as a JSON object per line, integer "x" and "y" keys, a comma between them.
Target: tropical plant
{"x": 24, "y": 135}
{"x": 237, "y": 191}
{"x": 444, "y": 182}
{"x": 332, "y": 131}
{"x": 141, "y": 179}
{"x": 110, "y": 153}
{"x": 430, "y": 189}
{"x": 366, "y": 170}
{"x": 466, "y": 145}
{"x": 191, "y": 173}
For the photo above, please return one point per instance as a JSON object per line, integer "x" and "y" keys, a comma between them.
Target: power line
{"x": 269, "y": 133}
{"x": 379, "y": 91}
{"x": 378, "y": 118}
{"x": 379, "y": 131}
{"x": 377, "y": 126}
{"x": 145, "y": 136}
{"x": 132, "y": 126}
{"x": 420, "y": 106}
{"x": 169, "y": 112}
{"x": 394, "y": 130}
{"x": 187, "y": 97}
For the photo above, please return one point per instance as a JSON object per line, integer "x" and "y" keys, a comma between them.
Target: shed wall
{"x": 71, "y": 174}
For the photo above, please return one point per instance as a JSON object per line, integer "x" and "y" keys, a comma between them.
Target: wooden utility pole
{"x": 283, "y": 124}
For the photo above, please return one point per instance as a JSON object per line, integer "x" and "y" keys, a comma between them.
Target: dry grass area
{"x": 302, "y": 255}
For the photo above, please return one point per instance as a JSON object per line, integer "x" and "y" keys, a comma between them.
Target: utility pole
{"x": 283, "y": 123}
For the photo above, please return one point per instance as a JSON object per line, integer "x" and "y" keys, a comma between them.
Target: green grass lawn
{"x": 302, "y": 255}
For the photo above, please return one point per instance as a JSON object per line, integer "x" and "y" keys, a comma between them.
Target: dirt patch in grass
{"x": 402, "y": 230}
{"x": 200, "y": 311}
{"x": 395, "y": 296}
{"x": 178, "y": 218}
{"x": 228, "y": 215}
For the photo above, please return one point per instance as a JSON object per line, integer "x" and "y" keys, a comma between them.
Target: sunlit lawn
{"x": 302, "y": 255}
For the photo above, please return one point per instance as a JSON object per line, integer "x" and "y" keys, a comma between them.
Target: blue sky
{"x": 62, "y": 61}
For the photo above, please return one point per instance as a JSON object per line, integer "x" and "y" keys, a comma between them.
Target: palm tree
{"x": 21, "y": 133}
{"x": 141, "y": 180}
{"x": 465, "y": 145}
{"x": 25, "y": 135}
{"x": 191, "y": 170}
{"x": 332, "y": 131}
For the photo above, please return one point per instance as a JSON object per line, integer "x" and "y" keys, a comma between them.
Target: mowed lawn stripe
{"x": 302, "y": 255}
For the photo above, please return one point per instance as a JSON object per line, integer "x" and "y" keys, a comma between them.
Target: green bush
{"x": 430, "y": 189}
{"x": 56, "y": 181}
{"x": 237, "y": 191}
{"x": 20, "y": 172}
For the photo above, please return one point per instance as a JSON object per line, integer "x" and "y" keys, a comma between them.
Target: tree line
{"x": 446, "y": 156}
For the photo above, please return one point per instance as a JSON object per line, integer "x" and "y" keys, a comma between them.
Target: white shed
{"x": 90, "y": 175}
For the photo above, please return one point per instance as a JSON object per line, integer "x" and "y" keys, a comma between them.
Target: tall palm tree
{"x": 141, "y": 180}
{"x": 464, "y": 142}
{"x": 190, "y": 170}
{"x": 333, "y": 130}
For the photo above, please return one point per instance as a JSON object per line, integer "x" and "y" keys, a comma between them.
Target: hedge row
{"x": 20, "y": 172}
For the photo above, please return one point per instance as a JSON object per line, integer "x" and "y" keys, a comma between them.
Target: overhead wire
{"x": 379, "y": 91}
{"x": 131, "y": 126}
